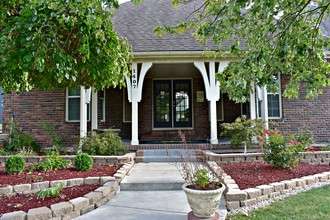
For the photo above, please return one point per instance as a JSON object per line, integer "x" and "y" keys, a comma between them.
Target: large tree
{"x": 53, "y": 44}
{"x": 269, "y": 37}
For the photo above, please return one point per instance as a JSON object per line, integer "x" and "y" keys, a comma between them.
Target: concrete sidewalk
{"x": 151, "y": 191}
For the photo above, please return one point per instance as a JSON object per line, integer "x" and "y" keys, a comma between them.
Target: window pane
{"x": 74, "y": 91}
{"x": 74, "y": 109}
{"x": 273, "y": 105}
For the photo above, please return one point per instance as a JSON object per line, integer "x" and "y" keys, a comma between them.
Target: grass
{"x": 308, "y": 205}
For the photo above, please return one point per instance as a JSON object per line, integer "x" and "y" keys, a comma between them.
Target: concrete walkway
{"x": 151, "y": 191}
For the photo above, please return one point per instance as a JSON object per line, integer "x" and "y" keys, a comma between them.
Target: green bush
{"x": 280, "y": 152}
{"x": 53, "y": 161}
{"x": 14, "y": 164}
{"x": 305, "y": 136}
{"x": 52, "y": 192}
{"x": 83, "y": 162}
{"x": 107, "y": 143}
{"x": 20, "y": 140}
{"x": 242, "y": 130}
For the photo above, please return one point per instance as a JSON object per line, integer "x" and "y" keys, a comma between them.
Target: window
{"x": 127, "y": 108}
{"x": 220, "y": 114}
{"x": 73, "y": 105}
{"x": 274, "y": 102}
{"x": 102, "y": 99}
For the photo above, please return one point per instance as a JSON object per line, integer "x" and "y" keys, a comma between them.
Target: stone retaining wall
{"x": 74, "y": 207}
{"x": 98, "y": 160}
{"x": 316, "y": 158}
{"x": 236, "y": 198}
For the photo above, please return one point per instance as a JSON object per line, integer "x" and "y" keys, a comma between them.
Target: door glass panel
{"x": 162, "y": 102}
{"x": 182, "y": 103}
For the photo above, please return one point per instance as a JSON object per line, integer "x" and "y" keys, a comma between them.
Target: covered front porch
{"x": 167, "y": 93}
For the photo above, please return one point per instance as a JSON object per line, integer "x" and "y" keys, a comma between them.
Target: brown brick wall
{"x": 29, "y": 108}
{"x": 315, "y": 113}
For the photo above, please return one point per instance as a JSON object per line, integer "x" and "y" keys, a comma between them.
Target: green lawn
{"x": 312, "y": 204}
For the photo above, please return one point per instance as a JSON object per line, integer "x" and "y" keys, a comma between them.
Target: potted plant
{"x": 202, "y": 187}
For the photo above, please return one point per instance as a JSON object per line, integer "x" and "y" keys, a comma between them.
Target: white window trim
{"x": 124, "y": 107}
{"x": 103, "y": 107}
{"x": 279, "y": 98}
{"x": 67, "y": 107}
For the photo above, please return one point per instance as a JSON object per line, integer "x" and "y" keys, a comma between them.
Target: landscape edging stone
{"x": 107, "y": 191}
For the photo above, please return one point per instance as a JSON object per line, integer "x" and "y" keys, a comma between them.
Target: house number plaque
{"x": 134, "y": 79}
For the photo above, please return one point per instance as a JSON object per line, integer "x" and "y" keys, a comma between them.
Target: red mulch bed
{"x": 39, "y": 176}
{"x": 24, "y": 202}
{"x": 252, "y": 174}
{"x": 28, "y": 201}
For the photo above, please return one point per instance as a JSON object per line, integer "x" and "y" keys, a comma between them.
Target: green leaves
{"x": 60, "y": 43}
{"x": 267, "y": 38}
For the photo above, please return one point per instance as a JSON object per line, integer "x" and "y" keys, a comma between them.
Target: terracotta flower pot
{"x": 203, "y": 203}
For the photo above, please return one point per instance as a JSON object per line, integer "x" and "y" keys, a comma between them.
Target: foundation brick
{"x": 56, "y": 182}
{"x": 42, "y": 213}
{"x": 94, "y": 197}
{"x": 40, "y": 185}
{"x": 92, "y": 180}
{"x": 262, "y": 198}
{"x": 289, "y": 184}
{"x": 61, "y": 209}
{"x": 19, "y": 215}
{"x": 105, "y": 179}
{"x": 71, "y": 215}
{"x": 87, "y": 209}
{"x": 79, "y": 203}
{"x": 274, "y": 194}
{"x": 236, "y": 195}
{"x": 22, "y": 188}
{"x": 75, "y": 182}
{"x": 104, "y": 190}
{"x": 266, "y": 189}
{"x": 233, "y": 205}
{"x": 248, "y": 202}
{"x": 5, "y": 190}
{"x": 278, "y": 186}
{"x": 253, "y": 192}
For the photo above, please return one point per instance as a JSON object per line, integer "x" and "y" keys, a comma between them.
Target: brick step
{"x": 168, "y": 155}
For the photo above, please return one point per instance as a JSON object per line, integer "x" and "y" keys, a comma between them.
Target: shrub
{"x": 83, "y": 162}
{"x": 242, "y": 130}
{"x": 107, "y": 143}
{"x": 279, "y": 152}
{"x": 57, "y": 140}
{"x": 52, "y": 192}
{"x": 53, "y": 162}
{"x": 20, "y": 140}
{"x": 305, "y": 136}
{"x": 14, "y": 164}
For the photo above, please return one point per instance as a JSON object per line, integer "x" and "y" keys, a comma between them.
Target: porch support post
{"x": 212, "y": 90}
{"x": 83, "y": 114}
{"x": 253, "y": 103}
{"x": 134, "y": 89}
{"x": 264, "y": 106}
{"x": 94, "y": 109}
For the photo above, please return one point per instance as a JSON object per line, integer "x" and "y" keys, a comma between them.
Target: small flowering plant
{"x": 280, "y": 151}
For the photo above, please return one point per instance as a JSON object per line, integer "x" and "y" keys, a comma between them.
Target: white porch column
{"x": 83, "y": 114}
{"x": 134, "y": 89}
{"x": 94, "y": 109}
{"x": 264, "y": 106}
{"x": 212, "y": 90}
{"x": 253, "y": 103}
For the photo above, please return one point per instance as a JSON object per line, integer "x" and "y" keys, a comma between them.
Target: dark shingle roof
{"x": 137, "y": 25}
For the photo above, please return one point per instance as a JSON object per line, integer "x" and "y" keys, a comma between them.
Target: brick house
{"x": 172, "y": 86}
